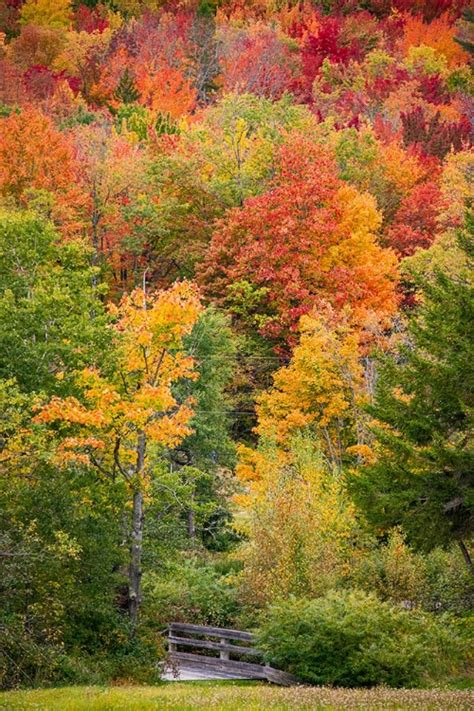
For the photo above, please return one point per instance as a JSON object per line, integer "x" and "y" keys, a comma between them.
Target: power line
{"x": 240, "y": 358}
{"x": 224, "y": 412}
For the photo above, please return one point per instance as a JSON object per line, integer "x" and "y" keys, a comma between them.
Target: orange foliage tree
{"x": 165, "y": 90}
{"x": 155, "y": 63}
{"x": 310, "y": 238}
{"x": 128, "y": 415}
{"x": 438, "y": 34}
{"x": 37, "y": 166}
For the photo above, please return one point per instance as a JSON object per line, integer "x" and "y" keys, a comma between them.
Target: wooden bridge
{"x": 217, "y": 653}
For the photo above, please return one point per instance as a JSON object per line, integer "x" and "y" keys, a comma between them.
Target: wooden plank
{"x": 195, "y": 674}
{"x": 210, "y": 631}
{"x": 216, "y": 646}
{"x": 224, "y": 665}
{"x": 209, "y": 666}
{"x": 275, "y": 676}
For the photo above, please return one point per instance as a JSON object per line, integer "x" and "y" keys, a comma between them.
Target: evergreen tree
{"x": 466, "y": 39}
{"x": 126, "y": 90}
{"x": 422, "y": 478}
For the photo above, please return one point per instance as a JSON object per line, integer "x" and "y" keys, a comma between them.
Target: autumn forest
{"x": 236, "y": 353}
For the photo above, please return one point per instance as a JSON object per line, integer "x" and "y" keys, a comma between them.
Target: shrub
{"x": 438, "y": 581}
{"x": 136, "y": 660}
{"x": 23, "y": 661}
{"x": 26, "y": 660}
{"x": 354, "y": 639}
{"x": 190, "y": 592}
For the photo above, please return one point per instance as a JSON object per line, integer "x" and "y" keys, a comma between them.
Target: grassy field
{"x": 231, "y": 696}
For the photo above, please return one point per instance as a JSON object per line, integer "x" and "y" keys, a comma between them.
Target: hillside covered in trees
{"x": 236, "y": 319}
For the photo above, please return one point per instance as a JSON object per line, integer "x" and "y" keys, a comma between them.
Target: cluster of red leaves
{"x": 415, "y": 224}
{"x": 41, "y": 82}
{"x": 327, "y": 41}
{"x": 433, "y": 136}
{"x": 91, "y": 19}
{"x": 287, "y": 241}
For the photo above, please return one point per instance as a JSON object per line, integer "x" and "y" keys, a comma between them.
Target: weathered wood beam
{"x": 241, "y": 669}
{"x": 210, "y": 631}
{"x": 216, "y": 646}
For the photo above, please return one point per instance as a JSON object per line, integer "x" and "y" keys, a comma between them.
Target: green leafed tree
{"x": 51, "y": 316}
{"x": 206, "y": 454}
{"x": 422, "y": 478}
{"x": 466, "y": 36}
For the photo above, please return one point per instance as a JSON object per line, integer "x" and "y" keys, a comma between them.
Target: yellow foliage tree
{"x": 322, "y": 389}
{"x": 134, "y": 8}
{"x": 457, "y": 187}
{"x": 303, "y": 535}
{"x": 300, "y": 523}
{"x": 127, "y": 417}
{"x": 49, "y": 13}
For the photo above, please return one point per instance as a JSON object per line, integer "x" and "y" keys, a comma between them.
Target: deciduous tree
{"x": 308, "y": 239}
{"x": 52, "y": 320}
{"x": 300, "y": 523}
{"x": 322, "y": 390}
{"x": 128, "y": 413}
{"x": 50, "y": 13}
{"x": 37, "y": 166}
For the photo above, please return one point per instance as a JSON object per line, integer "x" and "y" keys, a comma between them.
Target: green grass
{"x": 231, "y": 696}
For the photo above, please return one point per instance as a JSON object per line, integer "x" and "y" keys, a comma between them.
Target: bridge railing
{"x": 211, "y": 651}
{"x": 226, "y": 642}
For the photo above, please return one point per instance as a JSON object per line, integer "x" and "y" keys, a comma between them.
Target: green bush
{"x": 192, "y": 592}
{"x": 23, "y": 660}
{"x": 136, "y": 660}
{"x": 438, "y": 581}
{"x": 28, "y": 662}
{"x": 354, "y": 639}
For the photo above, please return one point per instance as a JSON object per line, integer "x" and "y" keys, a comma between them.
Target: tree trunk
{"x": 135, "y": 571}
{"x": 466, "y": 556}
{"x": 191, "y": 525}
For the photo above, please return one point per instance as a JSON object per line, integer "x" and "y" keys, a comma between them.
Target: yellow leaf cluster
{"x": 49, "y": 13}
{"x": 120, "y": 417}
{"x": 300, "y": 523}
{"x": 322, "y": 386}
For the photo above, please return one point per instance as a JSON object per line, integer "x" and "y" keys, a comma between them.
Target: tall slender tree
{"x": 422, "y": 478}
{"x": 128, "y": 415}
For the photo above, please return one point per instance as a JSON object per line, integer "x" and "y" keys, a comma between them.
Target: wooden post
{"x": 223, "y": 654}
{"x": 172, "y": 647}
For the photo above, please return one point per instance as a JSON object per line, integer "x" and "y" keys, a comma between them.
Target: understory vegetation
{"x": 236, "y": 353}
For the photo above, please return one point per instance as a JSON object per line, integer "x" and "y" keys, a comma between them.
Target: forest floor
{"x": 230, "y": 696}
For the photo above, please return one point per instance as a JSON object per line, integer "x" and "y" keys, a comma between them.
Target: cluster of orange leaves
{"x": 37, "y": 162}
{"x": 105, "y": 425}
